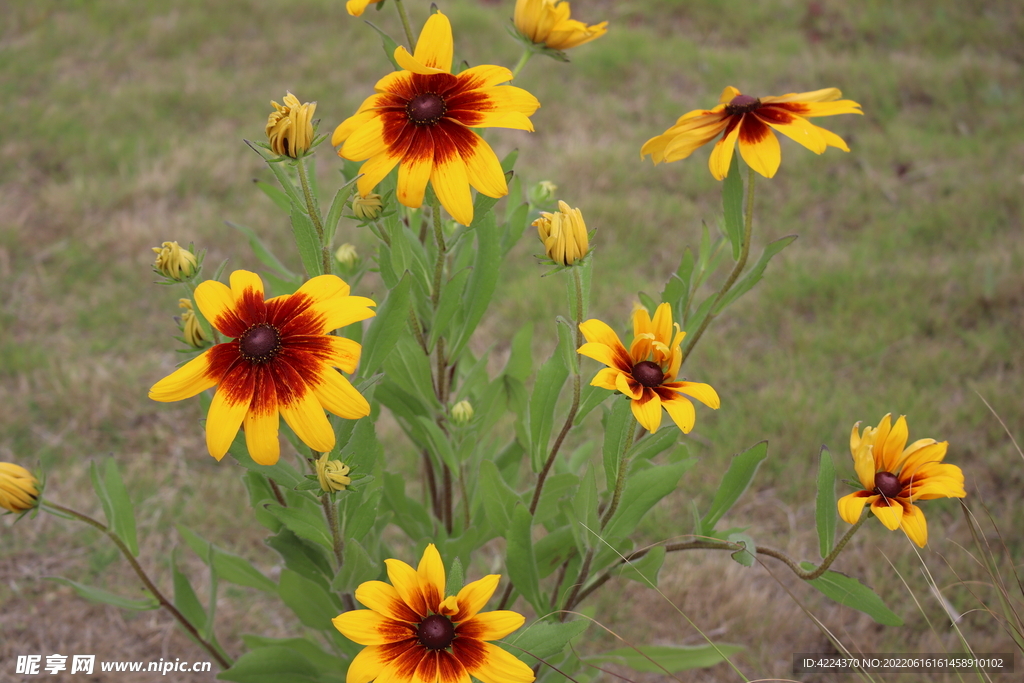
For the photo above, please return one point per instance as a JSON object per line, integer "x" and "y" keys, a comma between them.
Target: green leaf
{"x": 734, "y": 483}
{"x": 271, "y": 665}
{"x": 484, "y": 278}
{"x": 618, "y": 429}
{"x": 746, "y": 556}
{"x": 314, "y": 606}
{"x": 277, "y": 195}
{"x": 848, "y": 591}
{"x": 652, "y": 444}
{"x": 520, "y": 358}
{"x": 522, "y": 569}
{"x": 358, "y": 568}
{"x": 732, "y": 203}
{"x": 185, "y": 598}
{"x": 552, "y": 550}
{"x": 567, "y": 345}
{"x": 308, "y": 559}
{"x": 644, "y": 570}
{"x": 337, "y": 206}
{"x": 515, "y": 223}
{"x": 677, "y": 289}
{"x": 644, "y": 488}
{"x": 439, "y": 443}
{"x": 548, "y": 385}
{"x": 308, "y": 649}
{"x": 402, "y": 258}
{"x": 453, "y": 293}
{"x": 755, "y": 274}
{"x": 584, "y": 507}
{"x": 544, "y": 639}
{"x": 670, "y": 658}
{"x": 262, "y": 252}
{"x": 228, "y": 566}
{"x": 360, "y": 511}
{"x": 386, "y": 328}
{"x": 825, "y": 509}
{"x": 456, "y": 578}
{"x": 590, "y": 398}
{"x": 99, "y": 595}
{"x": 556, "y": 487}
{"x": 499, "y": 499}
{"x": 307, "y": 241}
{"x": 116, "y": 504}
{"x": 389, "y": 45}
{"x": 303, "y": 522}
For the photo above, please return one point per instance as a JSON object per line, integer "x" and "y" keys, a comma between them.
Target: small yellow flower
{"x": 367, "y": 208}
{"x": 174, "y": 262}
{"x": 190, "y": 326}
{"x": 547, "y": 22}
{"x": 332, "y": 474}
{"x": 290, "y": 127}
{"x": 646, "y": 373}
{"x": 462, "y": 412}
{"x": 413, "y": 633}
{"x": 356, "y": 7}
{"x": 19, "y": 489}
{"x": 564, "y": 234}
{"x": 895, "y": 475}
{"x": 347, "y": 255}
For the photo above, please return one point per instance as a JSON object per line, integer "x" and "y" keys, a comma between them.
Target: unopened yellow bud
{"x": 564, "y": 234}
{"x": 19, "y": 488}
{"x": 462, "y": 412}
{"x": 347, "y": 255}
{"x": 542, "y": 193}
{"x": 547, "y": 22}
{"x": 175, "y": 262}
{"x": 367, "y": 208}
{"x": 290, "y": 127}
{"x": 190, "y": 326}
{"x": 332, "y": 474}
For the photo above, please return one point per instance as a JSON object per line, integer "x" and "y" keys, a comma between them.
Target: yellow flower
{"x": 279, "y": 361}
{"x": 750, "y": 121}
{"x": 646, "y": 373}
{"x": 462, "y": 412}
{"x": 367, "y": 208}
{"x": 547, "y": 22}
{"x": 564, "y": 234}
{"x": 332, "y": 474}
{"x": 357, "y": 7}
{"x": 414, "y": 633}
{"x": 19, "y": 489}
{"x": 895, "y": 475}
{"x": 290, "y": 127}
{"x": 190, "y": 326}
{"x": 420, "y": 121}
{"x": 174, "y": 262}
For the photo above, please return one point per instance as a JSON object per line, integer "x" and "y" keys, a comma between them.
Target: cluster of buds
{"x": 19, "y": 488}
{"x": 175, "y": 262}
{"x": 564, "y": 234}
{"x": 290, "y": 128}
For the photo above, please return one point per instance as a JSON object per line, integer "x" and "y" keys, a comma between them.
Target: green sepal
{"x": 826, "y": 513}
{"x": 848, "y": 591}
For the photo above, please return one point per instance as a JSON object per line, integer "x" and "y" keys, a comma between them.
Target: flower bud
{"x": 367, "y": 208}
{"x": 542, "y": 193}
{"x": 174, "y": 262}
{"x": 332, "y": 474}
{"x": 547, "y": 22}
{"x": 462, "y": 412}
{"x": 564, "y": 234}
{"x": 19, "y": 489}
{"x": 190, "y": 326}
{"x": 347, "y": 255}
{"x": 290, "y": 127}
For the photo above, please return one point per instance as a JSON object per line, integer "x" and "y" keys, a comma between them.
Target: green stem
{"x": 527, "y": 53}
{"x": 406, "y": 25}
{"x": 620, "y": 480}
{"x": 441, "y": 253}
{"x": 222, "y": 660}
{"x": 748, "y": 225}
{"x": 332, "y": 521}
{"x": 313, "y": 210}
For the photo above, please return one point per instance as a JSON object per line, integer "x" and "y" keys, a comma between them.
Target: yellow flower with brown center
{"x": 895, "y": 475}
{"x": 413, "y": 633}
{"x": 174, "y": 262}
{"x": 357, "y": 7}
{"x": 547, "y": 22}
{"x": 280, "y": 362}
{"x": 19, "y": 488}
{"x": 646, "y": 373}
{"x": 332, "y": 474}
{"x": 420, "y": 121}
{"x": 749, "y": 121}
{"x": 290, "y": 127}
{"x": 564, "y": 234}
{"x": 190, "y": 326}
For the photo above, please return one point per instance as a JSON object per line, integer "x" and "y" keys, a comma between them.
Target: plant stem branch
{"x": 527, "y": 53}
{"x": 406, "y": 25}
{"x": 331, "y": 513}
{"x": 620, "y": 479}
{"x": 313, "y": 210}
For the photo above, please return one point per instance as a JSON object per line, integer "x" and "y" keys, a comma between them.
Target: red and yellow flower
{"x": 420, "y": 121}
{"x": 749, "y": 121}
{"x": 646, "y": 373}
{"x": 895, "y": 475}
{"x": 280, "y": 362}
{"x": 413, "y": 633}
{"x": 547, "y": 22}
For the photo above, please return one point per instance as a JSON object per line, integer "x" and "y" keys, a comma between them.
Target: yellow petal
{"x": 406, "y": 581}
{"x": 375, "y": 169}
{"x": 599, "y": 332}
{"x": 890, "y": 512}
{"x": 892, "y": 446}
{"x": 721, "y": 155}
{"x": 431, "y": 577}
{"x": 802, "y": 131}
{"x": 343, "y": 311}
{"x": 414, "y": 172}
{"x": 356, "y": 7}
{"x": 366, "y": 140}
{"x": 823, "y": 95}
{"x": 382, "y": 597}
{"x": 451, "y": 185}
{"x": 915, "y": 525}
{"x": 367, "y": 627}
{"x": 435, "y": 46}
{"x": 261, "y": 430}
{"x": 606, "y": 378}
{"x": 344, "y": 353}
{"x": 681, "y": 411}
{"x": 599, "y": 352}
{"x": 228, "y": 409}
{"x": 244, "y": 282}
{"x": 474, "y": 596}
{"x": 372, "y": 660}
{"x": 704, "y": 393}
{"x": 628, "y": 386}
{"x": 647, "y": 411}
{"x": 217, "y": 303}
{"x": 491, "y": 625}
{"x": 484, "y": 169}
{"x": 759, "y": 147}
{"x": 484, "y": 76}
{"x": 495, "y": 665}
{"x": 305, "y": 415}
{"x": 185, "y": 382}
{"x": 728, "y": 93}
{"x": 851, "y": 506}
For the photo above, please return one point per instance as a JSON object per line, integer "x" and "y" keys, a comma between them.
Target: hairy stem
{"x": 620, "y": 480}
{"x": 313, "y": 209}
{"x": 331, "y": 513}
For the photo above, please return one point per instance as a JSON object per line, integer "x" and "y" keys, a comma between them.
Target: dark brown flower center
{"x": 741, "y": 104}
{"x": 436, "y": 632}
{"x": 260, "y": 343}
{"x": 648, "y": 373}
{"x": 426, "y": 109}
{"x": 888, "y": 484}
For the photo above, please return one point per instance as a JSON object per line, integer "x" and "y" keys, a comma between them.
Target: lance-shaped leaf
{"x": 307, "y": 241}
{"x": 670, "y": 658}
{"x": 848, "y": 591}
{"x": 99, "y": 595}
{"x": 522, "y": 569}
{"x": 542, "y": 640}
{"x": 116, "y": 504}
{"x": 732, "y": 204}
{"x": 755, "y": 274}
{"x": 387, "y": 326}
{"x": 825, "y": 509}
{"x": 734, "y": 483}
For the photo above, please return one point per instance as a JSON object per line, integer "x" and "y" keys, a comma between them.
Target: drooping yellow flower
{"x": 413, "y": 633}
{"x": 190, "y": 326}
{"x": 290, "y": 127}
{"x": 420, "y": 121}
{"x": 280, "y": 362}
{"x": 357, "y": 7}
{"x": 646, "y": 373}
{"x": 750, "y": 121}
{"x": 895, "y": 475}
{"x": 19, "y": 488}
{"x": 174, "y": 262}
{"x": 332, "y": 474}
{"x": 547, "y": 22}
{"x": 563, "y": 233}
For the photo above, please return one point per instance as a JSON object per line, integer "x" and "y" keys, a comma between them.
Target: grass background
{"x": 904, "y": 293}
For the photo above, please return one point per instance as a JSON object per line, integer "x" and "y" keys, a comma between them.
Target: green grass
{"x": 904, "y": 292}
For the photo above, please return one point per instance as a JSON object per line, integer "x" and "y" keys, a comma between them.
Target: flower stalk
{"x": 527, "y": 53}
{"x": 313, "y": 210}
